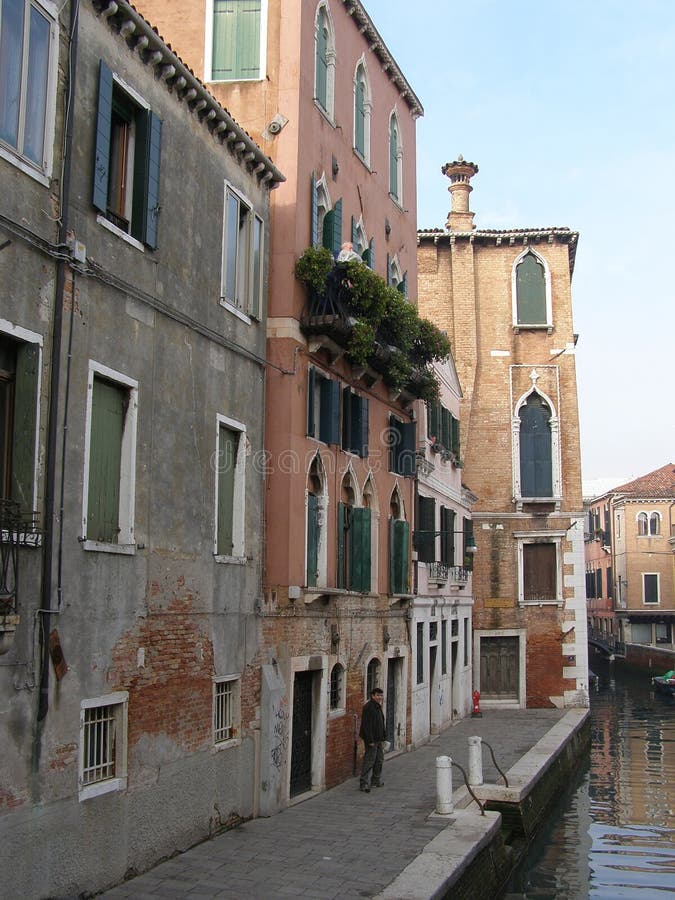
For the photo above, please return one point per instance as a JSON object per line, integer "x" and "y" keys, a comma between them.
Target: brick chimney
{"x": 460, "y": 172}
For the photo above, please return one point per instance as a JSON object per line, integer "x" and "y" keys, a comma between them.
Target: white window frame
{"x": 126, "y": 542}
{"x": 658, "y": 589}
{"x": 29, "y": 337}
{"x": 244, "y": 305}
{"x": 239, "y": 497}
{"x": 119, "y": 700}
{"x": 538, "y": 537}
{"x": 395, "y": 274}
{"x": 548, "y": 325}
{"x": 234, "y": 738}
{"x": 367, "y": 108}
{"x": 208, "y": 46}
{"x": 322, "y": 547}
{"x": 329, "y": 109}
{"x": 41, "y": 173}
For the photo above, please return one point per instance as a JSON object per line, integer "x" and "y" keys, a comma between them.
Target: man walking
{"x": 372, "y": 734}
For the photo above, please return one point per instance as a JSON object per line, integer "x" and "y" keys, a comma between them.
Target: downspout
{"x": 55, "y": 384}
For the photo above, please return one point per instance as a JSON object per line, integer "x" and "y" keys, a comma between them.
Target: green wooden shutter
{"x": 314, "y": 227}
{"x": 455, "y": 435}
{"x": 360, "y": 539}
{"x": 360, "y": 115}
{"x": 426, "y": 528}
{"x": 341, "y": 546}
{"x": 434, "y": 421}
{"x": 405, "y": 457}
{"x": 108, "y": 405}
{"x": 312, "y": 540}
{"x": 447, "y": 536}
{"x": 371, "y": 254}
{"x": 25, "y": 417}
{"x": 228, "y": 441}
{"x": 311, "y": 388}
{"x": 355, "y": 234}
{"x": 145, "y": 207}
{"x": 388, "y": 269}
{"x": 321, "y": 60}
{"x": 402, "y": 286}
{"x": 236, "y": 39}
{"x": 346, "y": 418}
{"x": 393, "y": 159}
{"x": 362, "y": 434}
{"x": 399, "y": 551}
{"x": 329, "y": 428}
{"x": 102, "y": 141}
{"x": 531, "y": 291}
{"x": 446, "y": 428}
{"x": 337, "y": 227}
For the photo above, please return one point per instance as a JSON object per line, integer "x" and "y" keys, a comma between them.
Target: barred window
{"x": 225, "y": 710}
{"x": 103, "y": 726}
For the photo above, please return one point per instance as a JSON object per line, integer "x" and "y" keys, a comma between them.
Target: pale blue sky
{"x": 568, "y": 111}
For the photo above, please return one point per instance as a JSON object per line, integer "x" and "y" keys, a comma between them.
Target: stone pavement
{"x": 341, "y": 843}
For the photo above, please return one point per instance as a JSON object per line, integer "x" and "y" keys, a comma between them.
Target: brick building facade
{"x": 504, "y": 298}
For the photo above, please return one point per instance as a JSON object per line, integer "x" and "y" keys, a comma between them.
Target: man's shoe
{"x": 364, "y": 788}
{"x": 377, "y": 784}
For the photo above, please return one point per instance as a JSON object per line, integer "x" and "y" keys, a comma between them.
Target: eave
{"x": 141, "y": 37}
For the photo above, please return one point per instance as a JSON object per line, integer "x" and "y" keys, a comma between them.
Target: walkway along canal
{"x": 613, "y": 833}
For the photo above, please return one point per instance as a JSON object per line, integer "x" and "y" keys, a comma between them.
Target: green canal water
{"x": 612, "y": 834}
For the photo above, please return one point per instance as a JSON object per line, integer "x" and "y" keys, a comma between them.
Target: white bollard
{"x": 475, "y": 760}
{"x": 444, "y": 785}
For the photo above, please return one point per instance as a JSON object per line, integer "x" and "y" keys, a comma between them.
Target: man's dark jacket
{"x": 372, "y": 723}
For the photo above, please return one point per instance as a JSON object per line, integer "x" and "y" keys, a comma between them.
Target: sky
{"x": 568, "y": 110}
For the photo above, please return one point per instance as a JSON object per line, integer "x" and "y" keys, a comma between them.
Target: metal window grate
{"x": 223, "y": 725}
{"x": 99, "y": 744}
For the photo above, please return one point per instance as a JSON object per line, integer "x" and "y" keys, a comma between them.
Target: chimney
{"x": 460, "y": 173}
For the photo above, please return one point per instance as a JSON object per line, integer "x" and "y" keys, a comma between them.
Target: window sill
{"x": 396, "y": 201}
{"x": 101, "y": 547}
{"x": 227, "y": 745}
{"x": 361, "y": 158}
{"x": 102, "y": 787}
{"x": 230, "y": 307}
{"x": 230, "y": 560}
{"x": 324, "y": 113}
{"x": 518, "y": 327}
{"x": 26, "y": 167}
{"x": 337, "y": 713}
{"x": 540, "y": 603}
{"x": 127, "y": 238}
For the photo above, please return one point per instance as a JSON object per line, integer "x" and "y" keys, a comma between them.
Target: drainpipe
{"x": 55, "y": 383}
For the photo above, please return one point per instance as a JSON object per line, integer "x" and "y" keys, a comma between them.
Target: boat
{"x": 665, "y": 683}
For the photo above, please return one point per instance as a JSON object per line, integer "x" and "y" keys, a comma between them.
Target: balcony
{"x": 440, "y": 574}
{"x": 17, "y": 530}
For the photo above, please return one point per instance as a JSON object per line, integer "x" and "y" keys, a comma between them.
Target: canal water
{"x": 612, "y": 834}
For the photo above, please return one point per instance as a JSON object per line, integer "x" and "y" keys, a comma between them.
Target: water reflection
{"x": 613, "y": 833}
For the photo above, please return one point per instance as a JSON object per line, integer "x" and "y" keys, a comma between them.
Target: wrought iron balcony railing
{"x": 17, "y": 529}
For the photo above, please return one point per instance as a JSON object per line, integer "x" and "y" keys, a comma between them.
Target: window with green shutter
{"x": 360, "y": 113}
{"x": 323, "y": 407}
{"x": 536, "y": 472}
{"x": 321, "y": 72}
{"x": 312, "y": 540}
{"x": 19, "y": 371}
{"x": 354, "y": 552}
{"x": 332, "y": 228}
{"x": 126, "y": 195}
{"x": 354, "y": 423}
{"x": 108, "y": 409}
{"x": 393, "y": 158}
{"x": 425, "y": 531}
{"x": 448, "y": 536}
{"x": 399, "y": 553}
{"x": 531, "y": 291}
{"x": 402, "y": 447}
{"x": 228, "y": 445}
{"x": 236, "y": 40}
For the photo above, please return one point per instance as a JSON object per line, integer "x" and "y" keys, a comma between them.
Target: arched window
{"x": 536, "y": 476}
{"x": 654, "y": 523}
{"x": 316, "y": 518}
{"x": 531, "y": 288}
{"x": 399, "y": 545}
{"x": 395, "y": 158}
{"x": 337, "y": 686}
{"x": 372, "y": 676}
{"x": 324, "y": 75}
{"x": 353, "y": 550}
{"x": 394, "y": 276}
{"x": 326, "y": 217}
{"x": 643, "y": 523}
{"x": 362, "y": 105}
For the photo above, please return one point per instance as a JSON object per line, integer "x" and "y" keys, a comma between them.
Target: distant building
{"x": 444, "y": 545}
{"x": 504, "y": 298}
{"x": 132, "y": 405}
{"x": 634, "y": 524}
{"x": 316, "y": 85}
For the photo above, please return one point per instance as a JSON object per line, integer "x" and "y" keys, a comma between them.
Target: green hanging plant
{"x": 361, "y": 340}
{"x": 313, "y": 267}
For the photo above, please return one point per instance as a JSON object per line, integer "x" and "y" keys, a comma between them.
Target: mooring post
{"x": 475, "y": 760}
{"x": 444, "y": 785}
